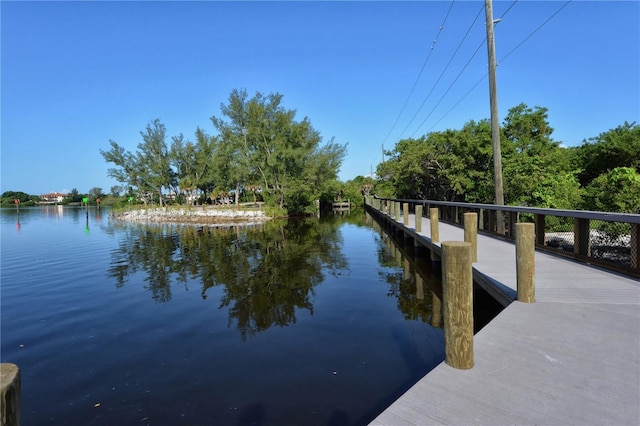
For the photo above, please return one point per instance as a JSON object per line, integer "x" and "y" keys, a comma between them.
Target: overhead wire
{"x": 450, "y": 86}
{"x": 433, "y": 45}
{"x": 443, "y": 71}
{"x": 501, "y": 60}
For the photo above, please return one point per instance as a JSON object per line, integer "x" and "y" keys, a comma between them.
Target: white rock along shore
{"x": 194, "y": 215}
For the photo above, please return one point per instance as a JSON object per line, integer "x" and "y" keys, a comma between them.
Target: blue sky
{"x": 76, "y": 74}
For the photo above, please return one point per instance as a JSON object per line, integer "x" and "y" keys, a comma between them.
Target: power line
{"x": 433, "y": 45}
{"x": 508, "y": 9}
{"x": 443, "y": 71}
{"x": 450, "y": 86}
{"x": 500, "y": 61}
{"x": 535, "y": 31}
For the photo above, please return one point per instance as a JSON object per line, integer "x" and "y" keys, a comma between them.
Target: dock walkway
{"x": 572, "y": 357}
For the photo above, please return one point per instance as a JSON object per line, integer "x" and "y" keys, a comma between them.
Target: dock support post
{"x": 397, "y": 210}
{"x": 436, "y": 310}
{"x": 525, "y": 262}
{"x": 418, "y": 224}
{"x": 457, "y": 290}
{"x": 435, "y": 230}
{"x": 9, "y": 395}
{"x": 405, "y": 214}
{"x": 471, "y": 234}
{"x": 419, "y": 287}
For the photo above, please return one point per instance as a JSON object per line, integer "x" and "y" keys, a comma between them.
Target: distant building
{"x": 54, "y": 197}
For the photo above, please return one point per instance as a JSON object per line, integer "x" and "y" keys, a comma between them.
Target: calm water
{"x": 314, "y": 322}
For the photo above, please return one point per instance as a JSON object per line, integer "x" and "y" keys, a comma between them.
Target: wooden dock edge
{"x": 499, "y": 291}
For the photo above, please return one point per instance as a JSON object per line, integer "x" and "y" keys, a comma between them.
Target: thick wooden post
{"x": 405, "y": 214}
{"x": 435, "y": 230}
{"x": 9, "y": 395}
{"x": 471, "y": 234}
{"x": 457, "y": 290}
{"x": 398, "y": 207}
{"x": 418, "y": 224}
{"x": 525, "y": 261}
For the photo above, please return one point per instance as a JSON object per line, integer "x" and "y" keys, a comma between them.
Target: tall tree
{"x": 232, "y": 159}
{"x": 154, "y": 167}
{"x": 192, "y": 162}
{"x": 619, "y": 147}
{"x": 261, "y": 144}
{"x": 147, "y": 171}
{"x": 537, "y": 170}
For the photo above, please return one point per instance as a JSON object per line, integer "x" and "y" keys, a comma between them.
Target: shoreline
{"x": 193, "y": 216}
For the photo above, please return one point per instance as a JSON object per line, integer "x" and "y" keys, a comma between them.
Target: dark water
{"x": 299, "y": 322}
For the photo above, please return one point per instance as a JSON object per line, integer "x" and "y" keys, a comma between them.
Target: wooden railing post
{"x": 405, "y": 214}
{"x": 457, "y": 289}
{"x": 525, "y": 262}
{"x": 513, "y": 219}
{"x": 540, "y": 229}
{"x": 418, "y": 221}
{"x": 493, "y": 218}
{"x": 397, "y": 210}
{"x": 435, "y": 230}
{"x": 9, "y": 394}
{"x": 471, "y": 234}
{"x": 581, "y": 237}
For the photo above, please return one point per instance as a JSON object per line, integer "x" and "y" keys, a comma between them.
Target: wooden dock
{"x": 572, "y": 357}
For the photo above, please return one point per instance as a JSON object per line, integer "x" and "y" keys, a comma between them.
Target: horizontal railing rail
{"x": 607, "y": 239}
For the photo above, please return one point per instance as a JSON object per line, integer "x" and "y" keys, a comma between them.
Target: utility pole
{"x": 495, "y": 125}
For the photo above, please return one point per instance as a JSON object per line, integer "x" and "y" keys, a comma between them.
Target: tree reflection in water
{"x": 416, "y": 287}
{"x": 268, "y": 271}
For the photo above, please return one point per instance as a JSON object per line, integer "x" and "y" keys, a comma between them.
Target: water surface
{"x": 314, "y": 321}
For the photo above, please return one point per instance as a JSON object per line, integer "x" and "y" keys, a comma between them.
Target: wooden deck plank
{"x": 572, "y": 357}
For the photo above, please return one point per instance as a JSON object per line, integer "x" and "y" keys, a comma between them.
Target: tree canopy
{"x": 260, "y": 148}
{"x": 455, "y": 165}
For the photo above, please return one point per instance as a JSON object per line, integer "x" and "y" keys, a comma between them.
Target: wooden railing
{"x": 609, "y": 240}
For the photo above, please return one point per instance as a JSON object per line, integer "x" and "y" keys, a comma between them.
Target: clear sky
{"x": 77, "y": 74}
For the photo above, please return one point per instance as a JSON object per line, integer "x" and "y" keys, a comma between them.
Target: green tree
{"x": 125, "y": 170}
{"x": 147, "y": 171}
{"x": 8, "y": 198}
{"x": 537, "y": 171}
{"x": 619, "y": 147}
{"x": 448, "y": 165}
{"x": 615, "y": 191}
{"x": 154, "y": 167}
{"x": 192, "y": 162}
{"x": 95, "y": 193}
{"x": 116, "y": 190}
{"x": 74, "y": 196}
{"x": 261, "y": 144}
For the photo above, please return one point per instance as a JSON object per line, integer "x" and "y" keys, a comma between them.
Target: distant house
{"x": 54, "y": 197}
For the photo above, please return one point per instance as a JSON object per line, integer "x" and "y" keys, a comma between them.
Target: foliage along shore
{"x": 193, "y": 215}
